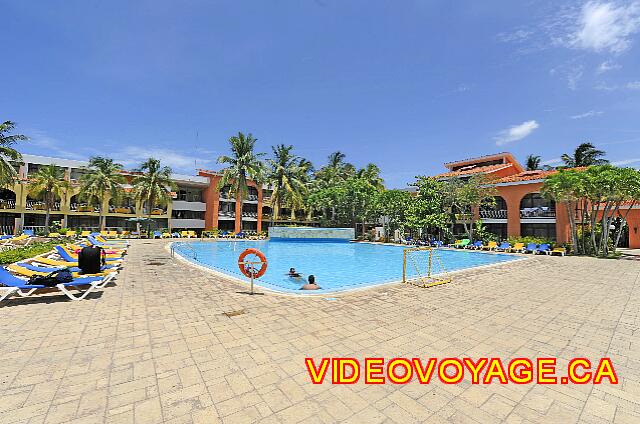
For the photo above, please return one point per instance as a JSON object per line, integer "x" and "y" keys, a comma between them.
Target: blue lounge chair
{"x": 12, "y": 285}
{"x": 157, "y": 234}
{"x": 437, "y": 243}
{"x": 543, "y": 248}
{"x": 476, "y": 245}
{"x": 29, "y": 233}
{"x": 531, "y": 248}
{"x": 67, "y": 257}
{"x": 240, "y": 234}
{"x": 504, "y": 246}
{"x": 51, "y": 269}
{"x": 114, "y": 244}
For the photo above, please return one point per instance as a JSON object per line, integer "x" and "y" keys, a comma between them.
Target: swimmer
{"x": 311, "y": 285}
{"x": 293, "y": 273}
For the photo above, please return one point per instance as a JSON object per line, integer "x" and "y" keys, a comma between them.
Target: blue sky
{"x": 407, "y": 85}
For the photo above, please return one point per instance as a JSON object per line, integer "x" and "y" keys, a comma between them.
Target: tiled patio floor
{"x": 157, "y": 347}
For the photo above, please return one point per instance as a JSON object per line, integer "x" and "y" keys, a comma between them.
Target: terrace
{"x": 216, "y": 354}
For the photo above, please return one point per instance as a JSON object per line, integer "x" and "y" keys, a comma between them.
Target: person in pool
{"x": 311, "y": 285}
{"x": 293, "y": 273}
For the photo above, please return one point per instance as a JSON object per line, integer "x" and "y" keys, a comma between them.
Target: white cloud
{"x": 573, "y": 76}
{"x": 133, "y": 156}
{"x": 625, "y": 162}
{"x": 606, "y": 26}
{"x": 551, "y": 161}
{"x": 516, "y": 132}
{"x": 587, "y": 114}
{"x": 607, "y": 66}
{"x": 603, "y": 86}
{"x": 514, "y": 37}
{"x": 633, "y": 85}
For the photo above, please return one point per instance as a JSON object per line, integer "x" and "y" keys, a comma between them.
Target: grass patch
{"x": 20, "y": 253}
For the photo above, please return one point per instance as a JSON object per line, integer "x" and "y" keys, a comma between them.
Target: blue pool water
{"x": 337, "y": 266}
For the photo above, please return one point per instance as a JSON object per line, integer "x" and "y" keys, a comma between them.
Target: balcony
{"x": 185, "y": 205}
{"x": 249, "y": 214}
{"x": 83, "y": 207}
{"x": 122, "y": 209}
{"x": 36, "y": 205}
{"x": 493, "y": 214}
{"x": 7, "y": 204}
{"x": 225, "y": 213}
{"x": 538, "y": 212}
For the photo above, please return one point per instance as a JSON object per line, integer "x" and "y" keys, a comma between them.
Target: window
{"x": 545, "y": 231}
{"x": 187, "y": 214}
{"x": 188, "y": 194}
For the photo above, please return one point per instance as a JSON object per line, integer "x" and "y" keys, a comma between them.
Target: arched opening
{"x": 496, "y": 211}
{"x": 124, "y": 204}
{"x": 37, "y": 203}
{"x": 76, "y": 204}
{"x": 7, "y": 199}
{"x": 533, "y": 205}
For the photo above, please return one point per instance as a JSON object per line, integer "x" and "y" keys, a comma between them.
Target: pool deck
{"x": 158, "y": 347}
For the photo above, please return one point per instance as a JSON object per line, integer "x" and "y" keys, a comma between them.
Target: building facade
{"x": 197, "y": 204}
{"x": 520, "y": 209}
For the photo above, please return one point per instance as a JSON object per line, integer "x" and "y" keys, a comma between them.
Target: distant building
{"x": 519, "y": 209}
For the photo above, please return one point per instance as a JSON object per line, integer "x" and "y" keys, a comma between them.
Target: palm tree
{"x": 104, "y": 178}
{"x": 371, "y": 173}
{"x": 154, "y": 185}
{"x": 533, "y": 163}
{"x": 8, "y": 153}
{"x": 49, "y": 182}
{"x": 288, "y": 174}
{"x": 335, "y": 170}
{"x": 585, "y": 155}
{"x": 242, "y": 165}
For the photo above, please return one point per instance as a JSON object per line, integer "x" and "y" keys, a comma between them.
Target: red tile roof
{"x": 472, "y": 169}
{"x": 526, "y": 176}
{"x": 531, "y": 175}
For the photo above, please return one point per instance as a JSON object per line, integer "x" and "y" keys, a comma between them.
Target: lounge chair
{"x": 166, "y": 235}
{"x": 462, "y": 244}
{"x": 558, "y": 251}
{"x": 531, "y": 248}
{"x": 185, "y": 234}
{"x": 59, "y": 263}
{"x": 54, "y": 235}
{"x": 193, "y": 234}
{"x": 29, "y": 272}
{"x": 175, "y": 235}
{"x": 85, "y": 233}
{"x": 241, "y": 234}
{"x": 99, "y": 241}
{"x": 543, "y": 248}
{"x": 12, "y": 285}
{"x": 70, "y": 233}
{"x": 103, "y": 233}
{"x": 504, "y": 246}
{"x": 476, "y": 245}
{"x": 437, "y": 243}
{"x": 28, "y": 233}
{"x": 518, "y": 247}
{"x": 492, "y": 245}
{"x": 64, "y": 254}
{"x": 157, "y": 234}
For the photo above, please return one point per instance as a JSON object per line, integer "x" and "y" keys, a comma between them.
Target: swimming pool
{"x": 337, "y": 266}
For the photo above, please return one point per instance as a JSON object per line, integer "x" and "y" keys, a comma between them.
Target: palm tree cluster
{"x": 292, "y": 178}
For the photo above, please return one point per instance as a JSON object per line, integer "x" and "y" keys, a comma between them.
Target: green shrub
{"x": 20, "y": 253}
{"x": 529, "y": 239}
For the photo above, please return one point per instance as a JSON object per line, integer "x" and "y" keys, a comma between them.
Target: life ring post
{"x": 250, "y": 270}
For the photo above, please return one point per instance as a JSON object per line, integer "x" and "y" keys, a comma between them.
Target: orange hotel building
{"x": 520, "y": 210}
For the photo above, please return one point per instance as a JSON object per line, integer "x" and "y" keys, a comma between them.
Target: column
{"x": 238, "y": 226}
{"x": 633, "y": 221}
{"x": 259, "y": 224}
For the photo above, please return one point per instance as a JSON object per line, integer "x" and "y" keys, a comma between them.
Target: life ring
{"x": 247, "y": 270}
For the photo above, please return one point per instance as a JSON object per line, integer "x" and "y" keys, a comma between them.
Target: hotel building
{"x": 196, "y": 204}
{"x": 520, "y": 209}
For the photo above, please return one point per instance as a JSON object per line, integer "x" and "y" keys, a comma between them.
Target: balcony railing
{"x": 539, "y": 212}
{"x": 83, "y": 207}
{"x": 250, "y": 214}
{"x": 122, "y": 209}
{"x": 493, "y": 214}
{"x": 7, "y": 204}
{"x": 36, "y": 205}
{"x": 252, "y": 197}
{"x": 231, "y": 214}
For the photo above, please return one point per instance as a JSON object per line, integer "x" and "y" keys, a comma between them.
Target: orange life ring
{"x": 246, "y": 270}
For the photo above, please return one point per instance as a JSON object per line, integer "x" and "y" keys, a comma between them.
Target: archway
{"x": 7, "y": 199}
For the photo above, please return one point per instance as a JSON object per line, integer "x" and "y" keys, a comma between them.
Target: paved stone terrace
{"x": 157, "y": 347}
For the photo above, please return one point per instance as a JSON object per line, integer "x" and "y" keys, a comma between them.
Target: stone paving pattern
{"x": 156, "y": 347}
